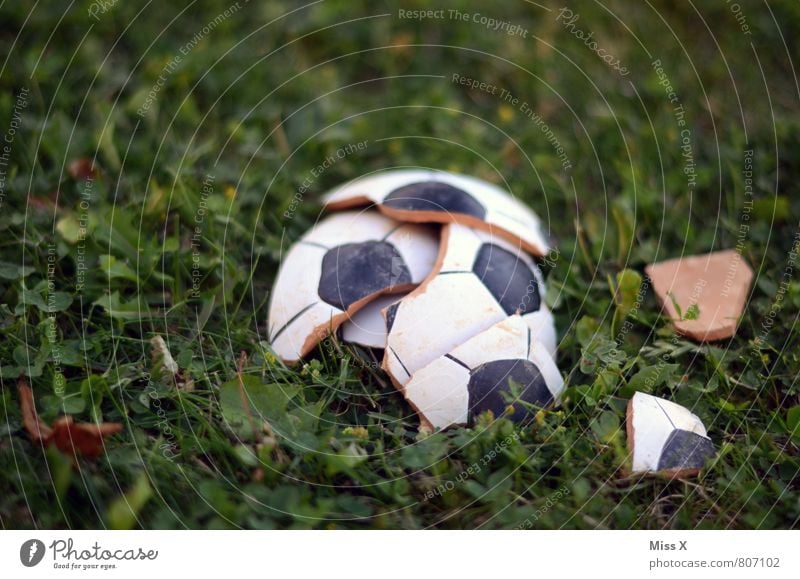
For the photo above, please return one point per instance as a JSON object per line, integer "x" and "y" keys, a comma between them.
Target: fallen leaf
{"x": 42, "y": 203}
{"x": 71, "y": 438}
{"x": 184, "y": 381}
{"x": 81, "y": 437}
{"x": 81, "y": 169}
{"x": 37, "y": 429}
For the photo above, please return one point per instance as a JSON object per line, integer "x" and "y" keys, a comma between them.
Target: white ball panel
{"x": 439, "y": 392}
{"x": 367, "y": 327}
{"x": 651, "y": 429}
{"x": 291, "y": 342}
{"x": 350, "y": 227}
{"x": 430, "y": 389}
{"x": 543, "y": 328}
{"x": 419, "y": 247}
{"x": 502, "y": 209}
{"x": 295, "y": 306}
{"x": 462, "y": 245}
{"x": 507, "y": 339}
{"x": 294, "y": 325}
{"x": 547, "y": 366}
{"x": 682, "y": 418}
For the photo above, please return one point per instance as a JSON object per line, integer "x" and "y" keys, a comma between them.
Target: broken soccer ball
{"x": 437, "y": 272}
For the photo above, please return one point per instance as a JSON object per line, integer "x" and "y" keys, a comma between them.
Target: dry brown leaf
{"x": 81, "y": 169}
{"x": 184, "y": 381}
{"x": 69, "y": 437}
{"x": 81, "y": 437}
{"x": 37, "y": 429}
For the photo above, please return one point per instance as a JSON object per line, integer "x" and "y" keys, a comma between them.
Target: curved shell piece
{"x": 479, "y": 281}
{"x": 419, "y": 195}
{"x": 665, "y": 437}
{"x": 478, "y": 375}
{"x": 367, "y": 327}
{"x": 716, "y": 284}
{"x": 346, "y": 261}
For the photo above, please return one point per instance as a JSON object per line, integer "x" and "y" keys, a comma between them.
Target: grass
{"x": 205, "y": 131}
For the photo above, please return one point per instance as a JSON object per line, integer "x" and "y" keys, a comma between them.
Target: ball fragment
{"x": 479, "y": 280}
{"x": 504, "y": 366}
{"x": 342, "y": 264}
{"x": 367, "y": 327}
{"x": 666, "y": 438}
{"x": 704, "y": 295}
{"x": 423, "y": 196}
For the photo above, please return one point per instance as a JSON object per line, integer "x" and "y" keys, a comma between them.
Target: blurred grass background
{"x": 157, "y": 146}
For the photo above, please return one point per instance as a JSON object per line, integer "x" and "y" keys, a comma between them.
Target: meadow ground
{"x": 157, "y": 157}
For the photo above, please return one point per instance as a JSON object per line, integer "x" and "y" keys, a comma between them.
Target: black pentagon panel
{"x": 685, "y": 449}
{"x": 353, "y": 271}
{"x": 434, "y": 196}
{"x": 508, "y": 278}
{"x": 391, "y": 312}
{"x": 489, "y": 381}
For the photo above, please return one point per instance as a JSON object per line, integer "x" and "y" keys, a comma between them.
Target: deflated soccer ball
{"x": 666, "y": 438}
{"x": 500, "y": 368}
{"x": 425, "y": 196}
{"x": 479, "y": 281}
{"x": 346, "y": 261}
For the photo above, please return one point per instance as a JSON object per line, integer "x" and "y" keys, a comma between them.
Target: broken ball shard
{"x": 704, "y": 295}
{"x": 426, "y": 196}
{"x": 479, "y": 280}
{"x": 504, "y": 366}
{"x": 346, "y": 261}
{"x": 666, "y": 438}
